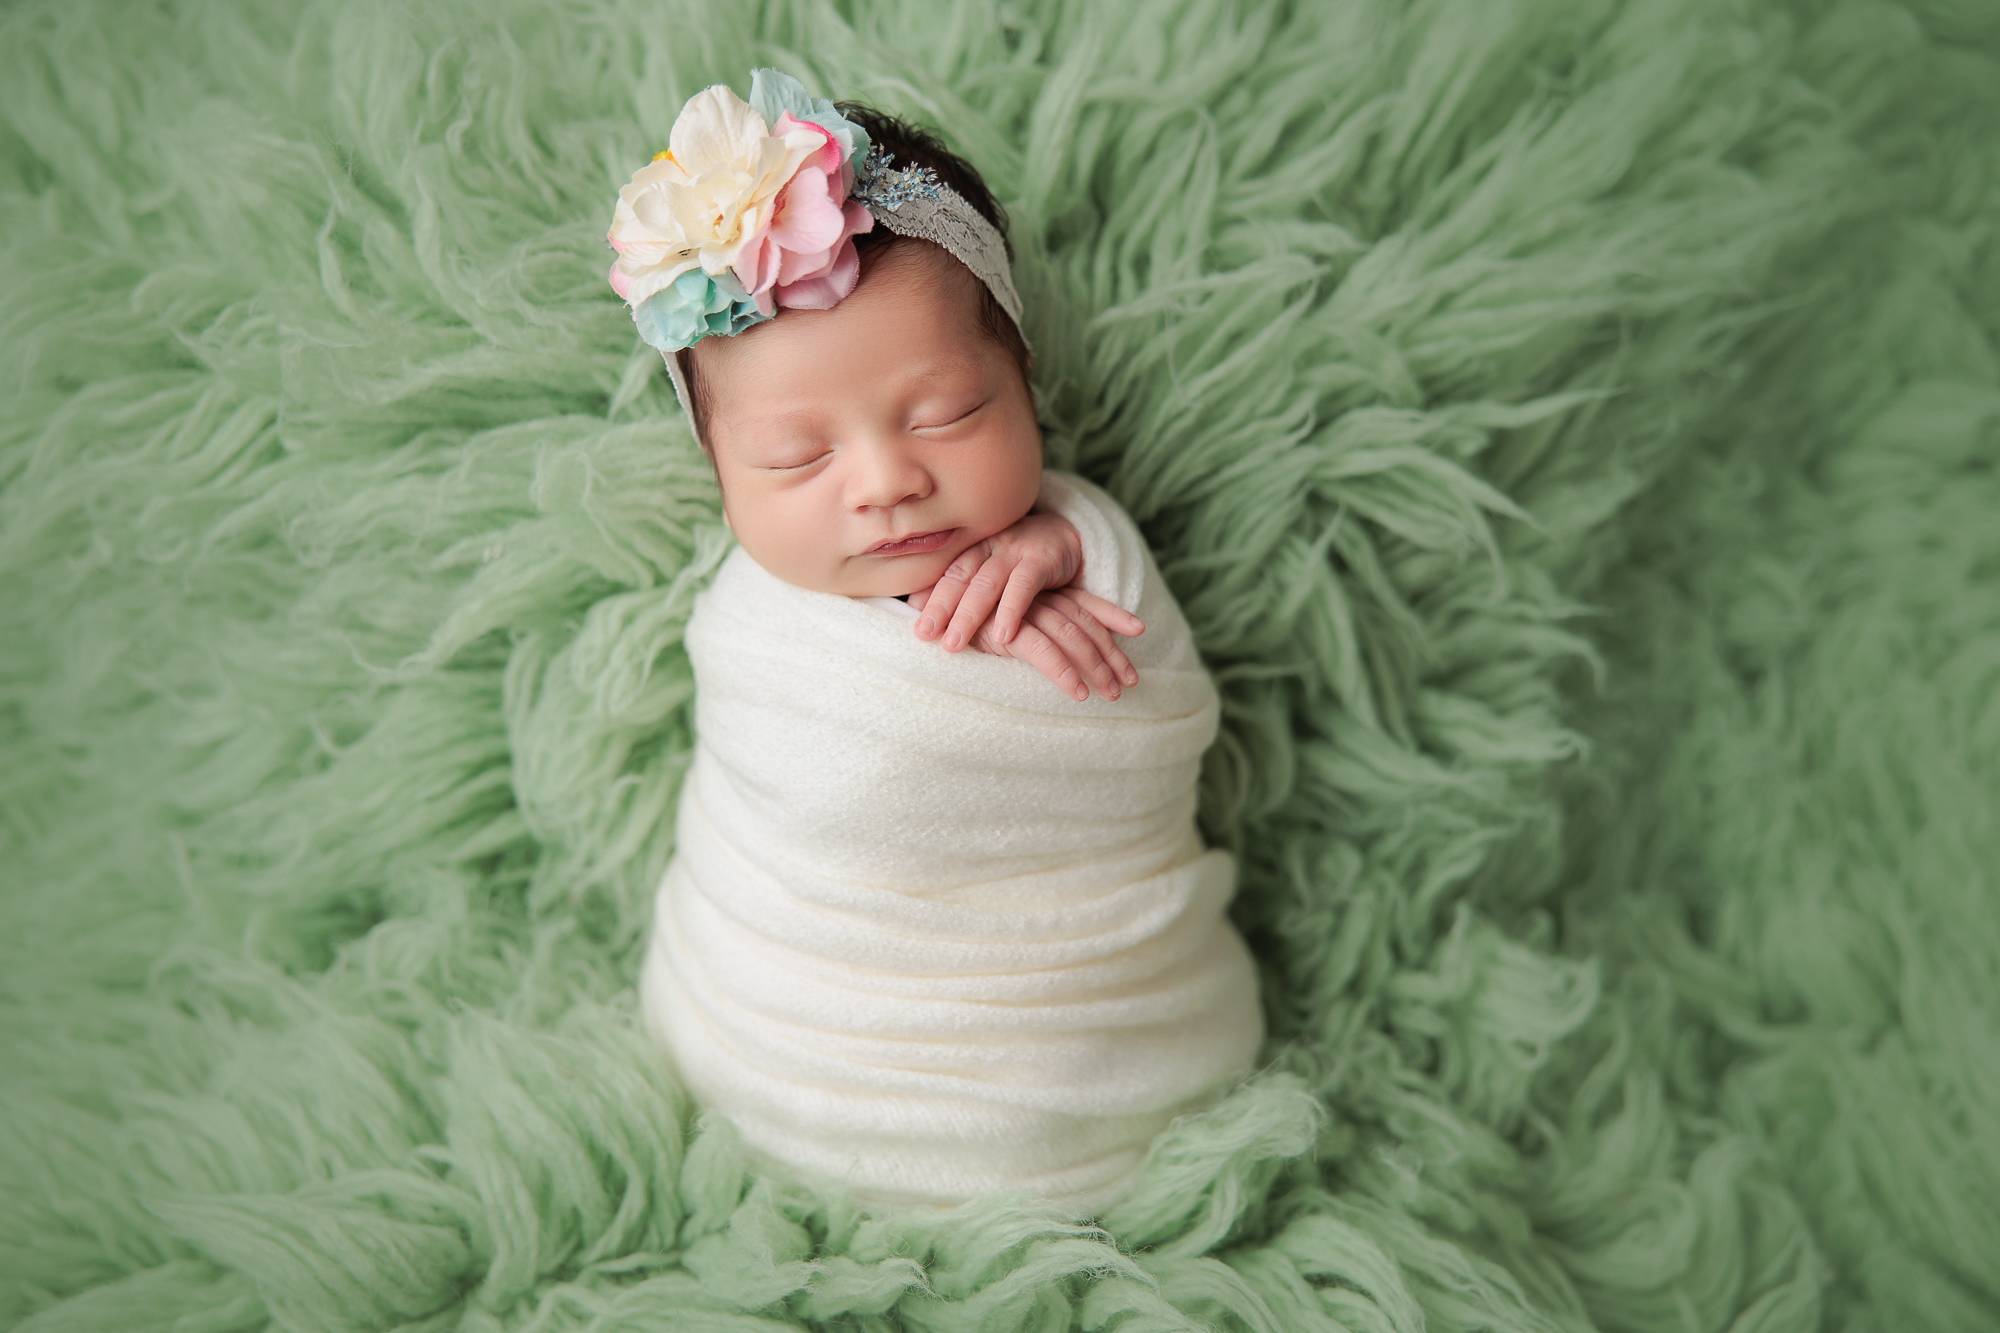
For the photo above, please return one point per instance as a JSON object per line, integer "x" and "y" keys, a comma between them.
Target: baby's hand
{"x": 1014, "y": 595}
{"x": 999, "y": 578}
{"x": 1063, "y": 636}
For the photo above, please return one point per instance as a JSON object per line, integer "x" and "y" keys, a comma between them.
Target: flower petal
{"x": 642, "y": 283}
{"x": 715, "y": 126}
{"x": 657, "y": 213}
{"x": 823, "y": 150}
{"x": 759, "y": 262}
{"x": 826, "y": 290}
{"x": 774, "y": 93}
{"x": 808, "y": 218}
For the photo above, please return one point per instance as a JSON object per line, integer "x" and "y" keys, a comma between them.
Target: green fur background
{"x": 1571, "y": 428}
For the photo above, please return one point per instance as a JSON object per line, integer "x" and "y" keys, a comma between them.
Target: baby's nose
{"x": 886, "y": 476}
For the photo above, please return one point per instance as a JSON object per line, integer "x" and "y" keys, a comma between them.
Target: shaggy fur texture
{"x": 1570, "y": 426}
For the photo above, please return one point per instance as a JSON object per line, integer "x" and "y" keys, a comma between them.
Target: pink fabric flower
{"x": 814, "y": 227}
{"x": 831, "y": 282}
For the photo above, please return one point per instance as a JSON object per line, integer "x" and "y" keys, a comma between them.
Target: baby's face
{"x": 861, "y": 449}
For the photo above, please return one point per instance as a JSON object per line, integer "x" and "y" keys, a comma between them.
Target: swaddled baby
{"x": 938, "y": 923}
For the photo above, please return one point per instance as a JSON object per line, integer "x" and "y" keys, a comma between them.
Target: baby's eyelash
{"x": 955, "y": 420}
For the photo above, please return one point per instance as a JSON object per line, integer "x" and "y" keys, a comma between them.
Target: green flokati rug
{"x": 1570, "y": 427}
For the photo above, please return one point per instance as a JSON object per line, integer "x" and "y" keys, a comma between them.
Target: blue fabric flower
{"x": 774, "y": 92}
{"x": 692, "y": 307}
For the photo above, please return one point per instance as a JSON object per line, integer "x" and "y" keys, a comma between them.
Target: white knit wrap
{"x": 932, "y": 927}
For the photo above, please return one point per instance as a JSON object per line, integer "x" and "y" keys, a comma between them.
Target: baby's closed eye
{"x": 947, "y": 416}
{"x": 796, "y": 460}
{"x": 798, "y": 467}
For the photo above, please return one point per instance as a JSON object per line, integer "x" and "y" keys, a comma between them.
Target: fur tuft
{"x": 1570, "y": 428}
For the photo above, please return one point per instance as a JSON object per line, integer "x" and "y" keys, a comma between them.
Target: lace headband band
{"x": 938, "y": 214}
{"x": 755, "y": 205}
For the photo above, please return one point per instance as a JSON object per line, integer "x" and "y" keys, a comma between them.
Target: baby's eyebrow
{"x": 754, "y": 422}
{"x": 791, "y": 419}
{"x": 948, "y": 367}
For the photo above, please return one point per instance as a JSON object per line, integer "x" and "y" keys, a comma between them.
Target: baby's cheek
{"x": 786, "y": 538}
{"x": 1009, "y": 485}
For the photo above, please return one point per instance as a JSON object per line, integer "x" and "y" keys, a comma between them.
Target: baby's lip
{"x": 917, "y": 544}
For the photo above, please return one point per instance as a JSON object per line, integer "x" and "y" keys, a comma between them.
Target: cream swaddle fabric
{"x": 933, "y": 928}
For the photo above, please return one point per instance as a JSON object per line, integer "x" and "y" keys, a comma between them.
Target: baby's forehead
{"x": 915, "y": 309}
{"x": 917, "y": 276}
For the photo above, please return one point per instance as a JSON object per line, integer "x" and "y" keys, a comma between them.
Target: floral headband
{"x": 755, "y": 206}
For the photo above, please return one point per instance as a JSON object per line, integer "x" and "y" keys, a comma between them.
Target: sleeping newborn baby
{"x": 938, "y": 922}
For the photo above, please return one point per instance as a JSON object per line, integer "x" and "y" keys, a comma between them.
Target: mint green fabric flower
{"x": 692, "y": 307}
{"x": 774, "y": 92}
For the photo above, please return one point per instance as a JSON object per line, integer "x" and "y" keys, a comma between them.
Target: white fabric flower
{"x": 708, "y": 197}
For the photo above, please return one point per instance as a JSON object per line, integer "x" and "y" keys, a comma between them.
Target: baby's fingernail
{"x": 1131, "y": 676}
{"x": 952, "y": 640}
{"x": 926, "y": 626}
{"x": 1082, "y": 693}
{"x": 1111, "y": 693}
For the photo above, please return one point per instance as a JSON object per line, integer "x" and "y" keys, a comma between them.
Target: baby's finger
{"x": 946, "y": 592}
{"x": 1075, "y": 644}
{"x": 1115, "y": 617}
{"x": 982, "y": 594}
{"x": 1022, "y": 586}
{"x": 1035, "y": 648}
{"x": 1114, "y": 656}
{"x": 935, "y": 613}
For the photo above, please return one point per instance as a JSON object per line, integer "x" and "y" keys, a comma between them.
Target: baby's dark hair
{"x": 908, "y": 147}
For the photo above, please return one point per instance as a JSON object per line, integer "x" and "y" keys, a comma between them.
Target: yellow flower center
{"x": 665, "y": 156}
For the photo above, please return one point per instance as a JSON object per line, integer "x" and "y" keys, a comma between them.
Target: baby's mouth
{"x": 917, "y": 545}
